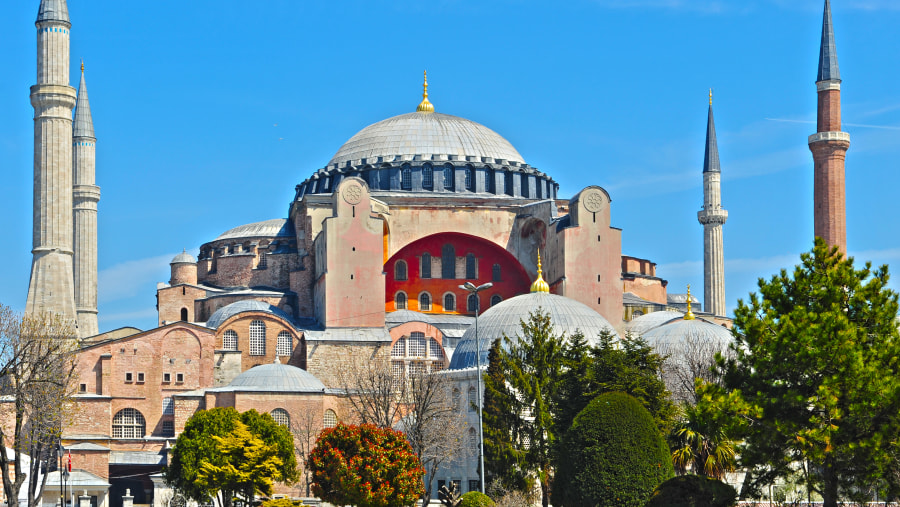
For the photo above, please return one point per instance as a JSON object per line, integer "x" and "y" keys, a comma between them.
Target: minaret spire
{"x": 85, "y": 197}
{"x": 829, "y": 145}
{"x": 712, "y": 217}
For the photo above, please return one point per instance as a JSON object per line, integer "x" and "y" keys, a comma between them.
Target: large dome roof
{"x": 278, "y": 227}
{"x": 425, "y": 134}
{"x": 567, "y": 316}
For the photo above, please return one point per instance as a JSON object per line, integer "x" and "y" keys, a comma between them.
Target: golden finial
{"x": 425, "y": 106}
{"x": 82, "y": 65}
{"x": 689, "y": 315}
{"x": 710, "y": 96}
{"x": 539, "y": 284}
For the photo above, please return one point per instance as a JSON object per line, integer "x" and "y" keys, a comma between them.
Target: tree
{"x": 305, "y": 429}
{"x": 502, "y": 456}
{"x": 37, "y": 370}
{"x": 613, "y": 454}
{"x": 693, "y": 491}
{"x": 813, "y": 373}
{"x": 702, "y": 441}
{"x": 365, "y": 466}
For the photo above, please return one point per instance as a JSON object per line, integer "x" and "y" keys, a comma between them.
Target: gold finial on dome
{"x": 689, "y": 315}
{"x": 539, "y": 284}
{"x": 425, "y": 106}
{"x": 82, "y": 65}
{"x": 710, "y": 96}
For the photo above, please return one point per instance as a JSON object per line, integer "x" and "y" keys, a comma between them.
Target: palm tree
{"x": 701, "y": 443}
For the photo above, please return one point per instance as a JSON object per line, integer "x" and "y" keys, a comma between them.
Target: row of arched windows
{"x": 283, "y": 345}
{"x": 448, "y": 266}
{"x": 282, "y": 417}
{"x": 469, "y": 180}
{"x": 401, "y": 302}
{"x": 415, "y": 355}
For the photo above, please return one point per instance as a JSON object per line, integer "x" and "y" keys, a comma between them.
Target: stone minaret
{"x": 829, "y": 146}
{"x": 85, "y": 196}
{"x": 713, "y": 217}
{"x": 51, "y": 288}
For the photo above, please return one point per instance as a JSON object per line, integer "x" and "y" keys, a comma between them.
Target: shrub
{"x": 476, "y": 499}
{"x": 693, "y": 491}
{"x": 282, "y": 502}
{"x": 612, "y": 455}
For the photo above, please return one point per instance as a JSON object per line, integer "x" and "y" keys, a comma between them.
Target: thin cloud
{"x": 129, "y": 278}
{"x": 860, "y": 125}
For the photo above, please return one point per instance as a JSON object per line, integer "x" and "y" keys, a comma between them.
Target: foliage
{"x": 702, "y": 440}
{"x": 450, "y": 496}
{"x": 613, "y": 454}
{"x": 505, "y": 497}
{"x": 195, "y": 447}
{"x": 501, "y": 423}
{"x": 282, "y": 502}
{"x": 811, "y": 372}
{"x": 365, "y": 466}
{"x": 37, "y": 370}
{"x": 693, "y": 491}
{"x": 476, "y": 499}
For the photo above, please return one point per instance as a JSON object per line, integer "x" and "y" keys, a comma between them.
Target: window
{"x": 281, "y": 417}
{"x": 472, "y": 303}
{"x": 168, "y": 406}
{"x": 400, "y": 301}
{"x": 473, "y": 485}
{"x": 396, "y": 375}
{"x": 473, "y": 440}
{"x": 399, "y": 348}
{"x": 416, "y": 345}
{"x": 435, "y": 351}
{"x": 424, "y": 302}
{"x": 456, "y": 396}
{"x": 448, "y": 262}
{"x": 470, "y": 178}
{"x": 495, "y": 273}
{"x": 129, "y": 377}
{"x": 473, "y": 403}
{"x": 140, "y": 377}
{"x": 330, "y": 420}
{"x": 540, "y": 189}
{"x": 400, "y": 270}
{"x": 489, "y": 181}
{"x": 449, "y": 303}
{"x": 406, "y": 177}
{"x": 263, "y": 260}
{"x": 229, "y": 340}
{"x": 168, "y": 428}
{"x": 184, "y": 314}
{"x": 128, "y": 423}
{"x": 426, "y": 265}
{"x": 284, "y": 346}
{"x": 416, "y": 369}
{"x": 427, "y": 177}
{"x": 496, "y": 299}
{"x": 525, "y": 189}
{"x": 448, "y": 177}
{"x": 179, "y": 378}
{"x": 471, "y": 267}
{"x": 82, "y": 388}
{"x": 508, "y": 183}
{"x": 257, "y": 338}
{"x": 167, "y": 377}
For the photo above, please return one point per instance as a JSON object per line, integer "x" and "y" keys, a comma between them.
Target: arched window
{"x": 636, "y": 314}
{"x": 424, "y": 302}
{"x": 406, "y": 177}
{"x": 448, "y": 262}
{"x": 508, "y": 187}
{"x": 426, "y": 265}
{"x": 456, "y": 396}
{"x": 495, "y": 273}
{"x": 490, "y": 185}
{"x": 473, "y": 403}
{"x": 539, "y": 189}
{"x": 448, "y": 177}
{"x": 285, "y": 344}
{"x": 399, "y": 348}
{"x": 229, "y": 340}
{"x": 416, "y": 345}
{"x": 470, "y": 178}
{"x": 472, "y": 303}
{"x": 281, "y": 417}
{"x": 257, "y": 338}
{"x": 471, "y": 267}
{"x": 400, "y": 301}
{"x": 400, "y": 270}
{"x": 427, "y": 177}
{"x": 128, "y": 423}
{"x": 330, "y": 420}
{"x": 526, "y": 192}
{"x": 496, "y": 299}
{"x": 449, "y": 302}
{"x": 184, "y": 315}
{"x": 435, "y": 351}
{"x": 168, "y": 406}
{"x": 473, "y": 440}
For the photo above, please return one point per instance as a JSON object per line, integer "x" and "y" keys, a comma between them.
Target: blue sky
{"x": 209, "y": 113}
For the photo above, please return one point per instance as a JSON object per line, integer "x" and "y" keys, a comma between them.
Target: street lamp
{"x": 473, "y": 290}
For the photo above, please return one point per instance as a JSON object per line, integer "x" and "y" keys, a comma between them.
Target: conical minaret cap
{"x": 828, "y": 60}
{"x": 53, "y": 10}
{"x": 84, "y": 124}
{"x": 711, "y": 158}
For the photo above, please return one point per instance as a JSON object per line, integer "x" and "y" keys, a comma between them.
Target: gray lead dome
{"x": 275, "y": 377}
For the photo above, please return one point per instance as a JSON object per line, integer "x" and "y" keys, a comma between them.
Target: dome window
{"x": 448, "y": 177}
{"x": 283, "y": 347}
{"x": 540, "y": 189}
{"x": 508, "y": 185}
{"x": 229, "y": 340}
{"x": 427, "y": 177}
{"x": 257, "y": 338}
{"x": 470, "y": 179}
{"x": 490, "y": 183}
{"x": 406, "y": 178}
{"x": 526, "y": 191}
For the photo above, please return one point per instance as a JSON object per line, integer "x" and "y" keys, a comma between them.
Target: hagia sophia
{"x": 366, "y": 265}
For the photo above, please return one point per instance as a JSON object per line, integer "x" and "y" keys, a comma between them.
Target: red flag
{"x": 69, "y": 465}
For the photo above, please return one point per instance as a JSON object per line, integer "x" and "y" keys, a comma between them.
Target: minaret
{"x": 713, "y": 217}
{"x": 829, "y": 146}
{"x": 51, "y": 288}
{"x": 85, "y": 196}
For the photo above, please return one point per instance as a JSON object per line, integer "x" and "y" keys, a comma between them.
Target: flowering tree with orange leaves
{"x": 365, "y": 466}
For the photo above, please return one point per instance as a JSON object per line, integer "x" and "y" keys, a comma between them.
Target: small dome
{"x": 640, "y": 325}
{"x": 276, "y": 377}
{"x": 567, "y": 316}
{"x": 184, "y": 258}
{"x": 425, "y": 134}
{"x": 248, "y": 305}
{"x": 278, "y": 227}
{"x": 673, "y": 336}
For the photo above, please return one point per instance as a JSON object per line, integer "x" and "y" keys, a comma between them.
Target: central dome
{"x": 426, "y": 134}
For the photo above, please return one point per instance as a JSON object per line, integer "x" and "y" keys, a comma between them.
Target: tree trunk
{"x": 830, "y": 484}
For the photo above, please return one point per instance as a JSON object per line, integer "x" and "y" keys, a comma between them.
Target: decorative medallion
{"x": 352, "y": 193}
{"x": 593, "y": 201}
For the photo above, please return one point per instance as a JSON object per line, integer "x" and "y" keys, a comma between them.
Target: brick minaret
{"x": 85, "y": 196}
{"x": 829, "y": 146}
{"x": 713, "y": 217}
{"x": 52, "y": 281}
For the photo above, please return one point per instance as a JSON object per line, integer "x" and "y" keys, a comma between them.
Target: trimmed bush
{"x": 693, "y": 491}
{"x": 612, "y": 455}
{"x": 475, "y": 499}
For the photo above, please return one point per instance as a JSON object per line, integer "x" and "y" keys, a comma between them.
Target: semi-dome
{"x": 427, "y": 135}
{"x": 275, "y": 377}
{"x": 640, "y": 325}
{"x": 567, "y": 316}
{"x": 248, "y": 305}
{"x": 278, "y": 227}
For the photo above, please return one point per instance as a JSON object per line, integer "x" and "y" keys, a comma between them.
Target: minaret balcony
{"x": 712, "y": 217}
{"x": 819, "y": 137}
